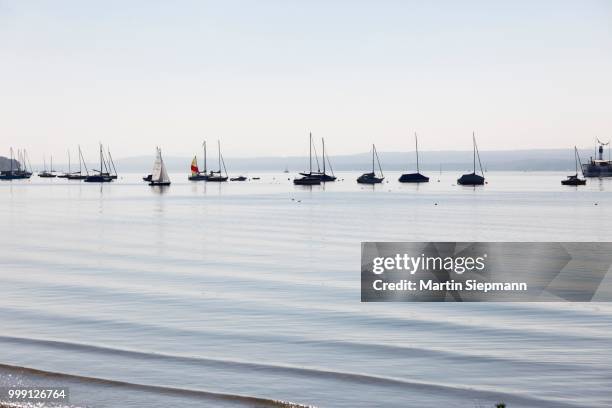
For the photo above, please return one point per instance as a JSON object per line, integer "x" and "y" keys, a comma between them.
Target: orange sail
{"x": 194, "y": 166}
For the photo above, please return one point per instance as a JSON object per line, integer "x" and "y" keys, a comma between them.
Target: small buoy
{"x": 299, "y": 201}
{"x": 595, "y": 203}
{"x": 435, "y": 203}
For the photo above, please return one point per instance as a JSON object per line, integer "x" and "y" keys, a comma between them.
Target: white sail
{"x": 164, "y": 174}
{"x": 157, "y": 167}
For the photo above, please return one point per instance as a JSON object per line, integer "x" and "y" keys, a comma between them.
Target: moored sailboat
{"x": 196, "y": 174}
{"x": 22, "y": 159}
{"x": 473, "y": 179}
{"x": 15, "y": 172}
{"x": 414, "y": 177}
{"x": 307, "y": 179}
{"x": 45, "y": 173}
{"x": 78, "y": 175}
{"x": 159, "y": 175}
{"x": 102, "y": 176}
{"x": 370, "y": 178}
{"x": 321, "y": 175}
{"x": 66, "y": 173}
{"x": 217, "y": 176}
{"x": 574, "y": 180}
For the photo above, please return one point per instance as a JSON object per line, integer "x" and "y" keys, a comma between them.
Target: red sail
{"x": 194, "y": 166}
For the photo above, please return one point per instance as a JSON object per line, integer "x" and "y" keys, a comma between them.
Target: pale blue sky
{"x": 260, "y": 74}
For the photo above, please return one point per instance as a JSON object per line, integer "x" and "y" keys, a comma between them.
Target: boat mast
{"x": 82, "y": 159}
{"x": 111, "y": 162}
{"x": 316, "y": 155}
{"x": 323, "y": 142}
{"x": 477, "y": 154}
{"x": 68, "y": 161}
{"x": 161, "y": 162}
{"x": 373, "y": 150}
{"x": 578, "y": 162}
{"x": 204, "y": 145}
{"x": 378, "y": 160}
{"x": 474, "y": 147}
{"x": 416, "y": 144}
{"x": 576, "y": 159}
{"x": 310, "y": 154}
{"x": 330, "y": 166}
{"x": 11, "y": 160}
{"x": 222, "y": 162}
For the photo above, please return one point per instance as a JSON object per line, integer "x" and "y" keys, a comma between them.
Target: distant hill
{"x": 5, "y": 163}
{"x": 511, "y": 160}
{"x": 497, "y": 160}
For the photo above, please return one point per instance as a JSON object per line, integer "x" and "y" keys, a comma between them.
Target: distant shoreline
{"x": 430, "y": 161}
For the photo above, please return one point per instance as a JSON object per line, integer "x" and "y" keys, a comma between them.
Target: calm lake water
{"x": 247, "y": 293}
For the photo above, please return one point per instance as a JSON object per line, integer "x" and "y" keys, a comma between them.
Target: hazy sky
{"x": 260, "y": 74}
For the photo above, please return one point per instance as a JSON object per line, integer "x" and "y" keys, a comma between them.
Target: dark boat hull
{"x": 108, "y": 176}
{"x": 597, "y": 169}
{"x": 241, "y": 178}
{"x": 324, "y": 177}
{"x": 307, "y": 181}
{"x": 76, "y": 177}
{"x": 573, "y": 181}
{"x": 217, "y": 179}
{"x": 198, "y": 177}
{"x": 413, "y": 178}
{"x": 97, "y": 179}
{"x": 15, "y": 175}
{"x": 369, "y": 178}
{"x": 46, "y": 175}
{"x": 159, "y": 183}
{"x": 471, "y": 180}
{"x": 327, "y": 177}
